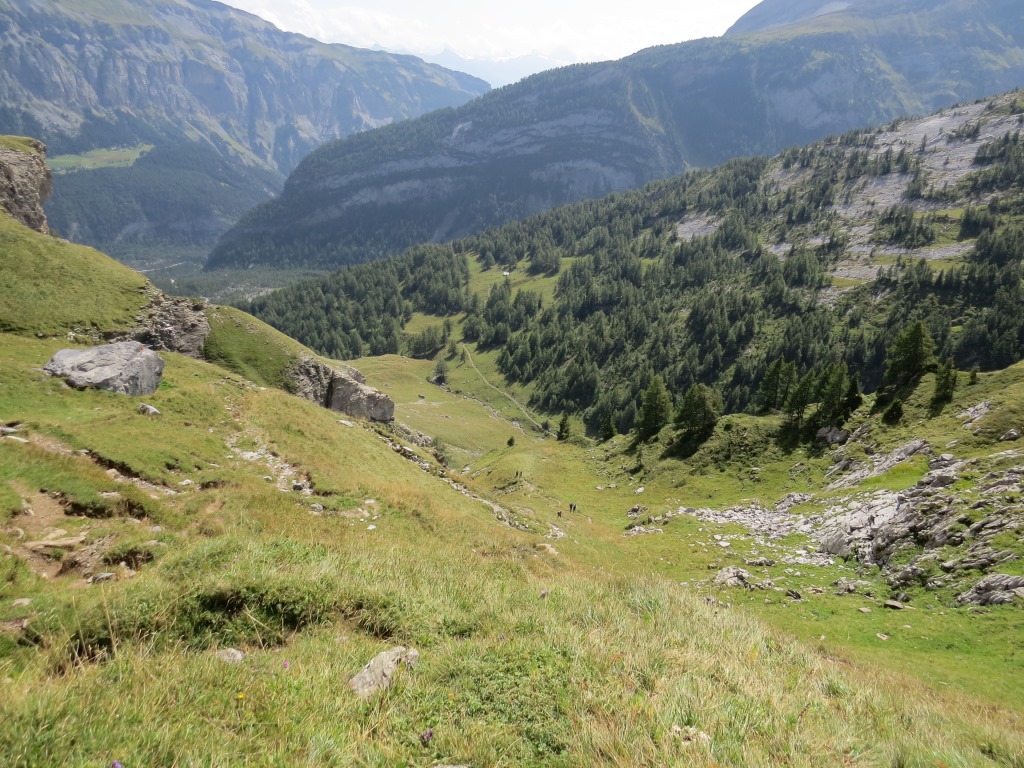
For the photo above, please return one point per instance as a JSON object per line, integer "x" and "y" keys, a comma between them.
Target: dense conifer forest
{"x": 748, "y": 308}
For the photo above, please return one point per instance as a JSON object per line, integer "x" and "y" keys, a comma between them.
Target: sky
{"x": 563, "y": 31}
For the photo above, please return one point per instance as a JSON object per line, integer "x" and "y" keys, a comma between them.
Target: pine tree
{"x": 799, "y": 398}
{"x": 910, "y": 355}
{"x": 698, "y": 412}
{"x": 945, "y": 383}
{"x": 655, "y": 410}
{"x": 563, "y": 427}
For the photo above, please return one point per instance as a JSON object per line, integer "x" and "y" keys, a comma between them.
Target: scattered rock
{"x": 148, "y": 410}
{"x": 99, "y": 578}
{"x": 974, "y": 414}
{"x": 792, "y": 594}
{"x": 22, "y": 602}
{"x": 547, "y": 549}
{"x": 126, "y": 368}
{"x": 1011, "y": 436}
{"x": 882, "y": 636}
{"x": 230, "y": 655}
{"x": 893, "y": 605}
{"x": 640, "y": 530}
{"x": 864, "y": 610}
{"x": 635, "y": 511}
{"x": 640, "y": 490}
{"x": 379, "y": 674}
{"x": 760, "y": 562}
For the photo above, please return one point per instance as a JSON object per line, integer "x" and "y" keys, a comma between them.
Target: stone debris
{"x": 642, "y": 531}
{"x": 379, "y": 674}
{"x": 974, "y": 414}
{"x": 148, "y": 410}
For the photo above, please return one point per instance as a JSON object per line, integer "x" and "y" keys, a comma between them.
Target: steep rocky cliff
{"x": 584, "y": 131}
{"x": 25, "y": 181}
{"x": 228, "y": 103}
{"x": 105, "y": 74}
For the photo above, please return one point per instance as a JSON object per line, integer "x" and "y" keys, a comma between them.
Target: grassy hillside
{"x": 52, "y": 286}
{"x": 547, "y": 660}
{"x": 134, "y": 548}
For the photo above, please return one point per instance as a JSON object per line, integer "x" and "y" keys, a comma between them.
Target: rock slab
{"x": 126, "y": 368}
{"x": 379, "y": 674}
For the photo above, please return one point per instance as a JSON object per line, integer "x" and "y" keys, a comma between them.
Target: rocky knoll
{"x": 25, "y": 181}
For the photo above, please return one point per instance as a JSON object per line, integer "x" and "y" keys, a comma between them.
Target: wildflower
{"x": 116, "y": 764}
{"x": 240, "y": 698}
{"x": 286, "y": 665}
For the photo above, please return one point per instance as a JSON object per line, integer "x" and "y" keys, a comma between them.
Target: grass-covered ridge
{"x": 52, "y": 286}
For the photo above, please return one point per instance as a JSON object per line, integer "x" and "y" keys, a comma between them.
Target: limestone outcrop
{"x": 342, "y": 390}
{"x": 174, "y": 324}
{"x": 25, "y": 183}
{"x": 126, "y": 368}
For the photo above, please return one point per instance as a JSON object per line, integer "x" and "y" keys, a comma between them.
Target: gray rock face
{"x": 345, "y": 391}
{"x": 997, "y": 589}
{"x": 179, "y": 70}
{"x": 25, "y": 183}
{"x": 379, "y": 674}
{"x": 127, "y": 368}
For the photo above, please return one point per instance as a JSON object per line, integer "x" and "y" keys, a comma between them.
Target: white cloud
{"x": 589, "y": 30}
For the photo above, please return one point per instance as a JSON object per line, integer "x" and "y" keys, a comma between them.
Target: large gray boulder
{"x": 339, "y": 389}
{"x": 127, "y": 368}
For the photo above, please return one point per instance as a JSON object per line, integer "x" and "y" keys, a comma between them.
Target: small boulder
{"x": 148, "y": 410}
{"x": 230, "y": 655}
{"x": 379, "y": 674}
{"x": 1011, "y": 436}
{"x": 125, "y": 368}
{"x": 760, "y": 562}
{"x": 893, "y": 605}
{"x": 732, "y": 577}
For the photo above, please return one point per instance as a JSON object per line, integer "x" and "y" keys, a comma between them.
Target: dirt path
{"x": 507, "y": 396}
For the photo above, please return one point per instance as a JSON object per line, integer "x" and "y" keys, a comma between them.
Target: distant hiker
{"x": 559, "y": 512}
{"x": 572, "y": 507}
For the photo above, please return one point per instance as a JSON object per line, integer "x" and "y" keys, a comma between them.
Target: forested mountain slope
{"x": 195, "y": 76}
{"x": 815, "y": 261}
{"x": 583, "y": 131}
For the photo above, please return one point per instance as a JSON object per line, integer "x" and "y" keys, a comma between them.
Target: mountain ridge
{"x": 587, "y": 130}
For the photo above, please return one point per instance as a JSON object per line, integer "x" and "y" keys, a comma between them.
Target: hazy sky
{"x": 566, "y": 30}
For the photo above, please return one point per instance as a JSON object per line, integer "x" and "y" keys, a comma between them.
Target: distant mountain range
{"x": 98, "y": 74}
{"x": 786, "y": 73}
